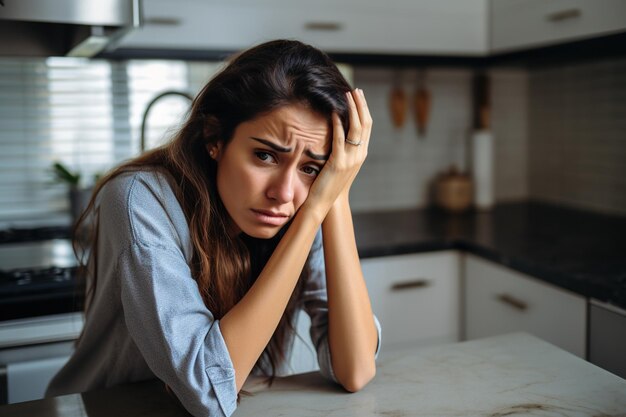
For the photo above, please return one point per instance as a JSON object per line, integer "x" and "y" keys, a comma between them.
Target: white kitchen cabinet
{"x": 303, "y": 357}
{"x": 28, "y": 380}
{"x": 522, "y": 24}
{"x": 32, "y": 351}
{"x": 416, "y": 297}
{"x": 499, "y": 300}
{"x": 451, "y": 27}
{"x": 607, "y": 337}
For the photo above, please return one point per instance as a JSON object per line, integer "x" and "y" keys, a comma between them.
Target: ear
{"x": 214, "y": 150}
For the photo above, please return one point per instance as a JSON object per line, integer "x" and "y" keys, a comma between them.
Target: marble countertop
{"x": 573, "y": 249}
{"x": 513, "y": 374}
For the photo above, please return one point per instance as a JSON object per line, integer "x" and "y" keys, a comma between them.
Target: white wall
{"x": 401, "y": 165}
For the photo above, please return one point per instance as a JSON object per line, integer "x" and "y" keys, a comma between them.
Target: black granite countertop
{"x": 577, "y": 250}
{"x": 574, "y": 249}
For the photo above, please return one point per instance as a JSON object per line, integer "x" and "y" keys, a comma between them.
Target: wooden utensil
{"x": 398, "y": 104}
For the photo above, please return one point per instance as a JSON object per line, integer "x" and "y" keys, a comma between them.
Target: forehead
{"x": 291, "y": 125}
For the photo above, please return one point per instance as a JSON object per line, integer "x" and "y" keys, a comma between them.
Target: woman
{"x": 204, "y": 248}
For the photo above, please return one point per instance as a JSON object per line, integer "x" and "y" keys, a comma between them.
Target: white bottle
{"x": 482, "y": 165}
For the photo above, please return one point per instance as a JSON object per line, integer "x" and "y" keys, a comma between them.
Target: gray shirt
{"x": 148, "y": 319}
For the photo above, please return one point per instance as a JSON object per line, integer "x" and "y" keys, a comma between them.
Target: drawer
{"x": 415, "y": 297}
{"x": 499, "y": 300}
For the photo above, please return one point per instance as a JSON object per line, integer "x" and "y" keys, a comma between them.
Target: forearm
{"x": 248, "y": 327}
{"x": 352, "y": 333}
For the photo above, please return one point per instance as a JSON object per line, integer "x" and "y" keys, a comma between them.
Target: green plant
{"x": 63, "y": 174}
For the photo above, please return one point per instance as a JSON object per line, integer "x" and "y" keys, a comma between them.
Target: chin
{"x": 262, "y": 232}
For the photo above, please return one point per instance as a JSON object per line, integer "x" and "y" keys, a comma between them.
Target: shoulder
{"x": 143, "y": 203}
{"x": 135, "y": 186}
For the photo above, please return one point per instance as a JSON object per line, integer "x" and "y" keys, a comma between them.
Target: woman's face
{"x": 265, "y": 172}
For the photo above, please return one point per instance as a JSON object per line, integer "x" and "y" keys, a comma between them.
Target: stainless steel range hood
{"x": 64, "y": 27}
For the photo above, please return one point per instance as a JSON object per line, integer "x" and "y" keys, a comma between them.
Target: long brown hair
{"x": 257, "y": 81}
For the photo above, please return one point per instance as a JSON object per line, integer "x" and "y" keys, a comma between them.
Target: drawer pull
{"x": 564, "y": 15}
{"x": 408, "y": 285}
{"x": 324, "y": 26}
{"x": 162, "y": 21}
{"x": 512, "y": 301}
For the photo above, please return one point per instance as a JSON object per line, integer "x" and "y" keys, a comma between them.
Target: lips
{"x": 270, "y": 217}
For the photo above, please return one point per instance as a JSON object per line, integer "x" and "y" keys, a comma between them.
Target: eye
{"x": 311, "y": 170}
{"x": 264, "y": 156}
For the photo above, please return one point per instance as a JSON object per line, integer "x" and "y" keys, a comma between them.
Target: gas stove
{"x": 35, "y": 280}
{"x": 38, "y": 273}
{"x": 34, "y": 234}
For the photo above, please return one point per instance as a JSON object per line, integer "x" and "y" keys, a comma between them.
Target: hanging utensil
{"x": 398, "y": 106}
{"x": 398, "y": 103}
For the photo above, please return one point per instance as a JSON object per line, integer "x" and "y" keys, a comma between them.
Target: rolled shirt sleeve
{"x": 166, "y": 317}
{"x": 315, "y": 303}
{"x": 177, "y": 335}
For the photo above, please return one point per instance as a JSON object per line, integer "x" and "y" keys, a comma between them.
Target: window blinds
{"x": 84, "y": 113}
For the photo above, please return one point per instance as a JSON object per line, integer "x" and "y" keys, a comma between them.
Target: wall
{"x": 577, "y": 131}
{"x": 559, "y": 130}
{"x": 87, "y": 114}
{"x": 509, "y": 99}
{"x": 401, "y": 165}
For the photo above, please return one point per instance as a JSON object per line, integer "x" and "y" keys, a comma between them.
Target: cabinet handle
{"x": 564, "y": 15}
{"x": 4, "y": 385}
{"x": 162, "y": 21}
{"x": 512, "y": 301}
{"x": 418, "y": 283}
{"x": 324, "y": 26}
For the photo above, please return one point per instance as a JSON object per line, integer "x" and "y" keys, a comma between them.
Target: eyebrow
{"x": 279, "y": 148}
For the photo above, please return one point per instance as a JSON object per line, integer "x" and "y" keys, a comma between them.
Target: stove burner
{"x": 35, "y": 280}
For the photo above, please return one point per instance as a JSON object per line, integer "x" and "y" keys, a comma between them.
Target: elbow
{"x": 357, "y": 380}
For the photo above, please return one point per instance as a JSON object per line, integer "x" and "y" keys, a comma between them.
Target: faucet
{"x": 149, "y": 106}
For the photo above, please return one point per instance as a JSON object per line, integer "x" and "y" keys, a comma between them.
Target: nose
{"x": 281, "y": 187}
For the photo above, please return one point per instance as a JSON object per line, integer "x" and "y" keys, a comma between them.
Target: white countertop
{"x": 510, "y": 375}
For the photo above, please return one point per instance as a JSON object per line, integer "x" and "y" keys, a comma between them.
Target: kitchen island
{"x": 513, "y": 374}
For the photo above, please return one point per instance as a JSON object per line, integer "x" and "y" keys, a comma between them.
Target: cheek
{"x": 301, "y": 194}
{"x": 236, "y": 180}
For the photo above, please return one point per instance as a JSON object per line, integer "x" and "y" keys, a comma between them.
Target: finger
{"x": 354, "y": 132}
{"x": 339, "y": 137}
{"x": 364, "y": 114}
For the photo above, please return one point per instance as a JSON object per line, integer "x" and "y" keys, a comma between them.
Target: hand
{"x": 346, "y": 158}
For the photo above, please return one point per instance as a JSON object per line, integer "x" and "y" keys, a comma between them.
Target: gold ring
{"x": 353, "y": 143}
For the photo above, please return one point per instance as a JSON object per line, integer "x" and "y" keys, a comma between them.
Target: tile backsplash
{"x": 401, "y": 165}
{"x": 577, "y": 134}
{"x": 558, "y": 130}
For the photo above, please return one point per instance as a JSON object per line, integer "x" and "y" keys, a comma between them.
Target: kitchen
{"x": 542, "y": 254}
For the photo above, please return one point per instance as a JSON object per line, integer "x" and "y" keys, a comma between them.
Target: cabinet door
{"x": 303, "y": 356}
{"x": 28, "y": 381}
{"x": 520, "y": 24}
{"x": 394, "y": 26}
{"x": 500, "y": 300}
{"x": 415, "y": 297}
{"x": 607, "y": 337}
